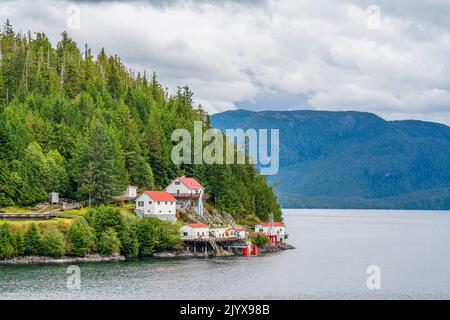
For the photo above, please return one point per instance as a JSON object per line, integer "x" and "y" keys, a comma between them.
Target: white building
{"x": 194, "y": 231}
{"x": 275, "y": 230}
{"x": 219, "y": 232}
{"x": 189, "y": 194}
{"x": 159, "y": 204}
{"x": 239, "y": 231}
{"x": 131, "y": 192}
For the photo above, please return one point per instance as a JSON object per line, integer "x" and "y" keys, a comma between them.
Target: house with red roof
{"x": 194, "y": 231}
{"x": 189, "y": 194}
{"x": 276, "y": 231}
{"x": 159, "y": 204}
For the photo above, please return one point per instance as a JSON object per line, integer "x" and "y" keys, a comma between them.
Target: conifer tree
{"x": 101, "y": 164}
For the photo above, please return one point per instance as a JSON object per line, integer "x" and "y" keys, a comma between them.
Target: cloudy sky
{"x": 387, "y": 57}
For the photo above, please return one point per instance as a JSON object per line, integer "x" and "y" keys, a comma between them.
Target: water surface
{"x": 334, "y": 249}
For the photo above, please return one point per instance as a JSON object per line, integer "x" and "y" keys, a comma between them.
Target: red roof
{"x": 197, "y": 225}
{"x": 239, "y": 228}
{"x": 191, "y": 183}
{"x": 267, "y": 224}
{"x": 160, "y": 196}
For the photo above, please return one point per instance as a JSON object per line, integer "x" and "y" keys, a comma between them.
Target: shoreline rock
{"x": 28, "y": 260}
{"x": 62, "y": 260}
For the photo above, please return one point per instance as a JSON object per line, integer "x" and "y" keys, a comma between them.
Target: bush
{"x": 52, "y": 243}
{"x": 103, "y": 218}
{"x": 108, "y": 242}
{"x": 6, "y": 242}
{"x": 156, "y": 235}
{"x": 33, "y": 240}
{"x": 260, "y": 240}
{"x": 129, "y": 242}
{"x": 81, "y": 238}
{"x": 19, "y": 243}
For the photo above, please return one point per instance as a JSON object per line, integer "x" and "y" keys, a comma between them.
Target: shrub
{"x": 19, "y": 243}
{"x": 129, "y": 242}
{"x": 33, "y": 240}
{"x": 156, "y": 235}
{"x": 81, "y": 238}
{"x": 260, "y": 240}
{"x": 102, "y": 218}
{"x": 108, "y": 242}
{"x": 52, "y": 243}
{"x": 6, "y": 242}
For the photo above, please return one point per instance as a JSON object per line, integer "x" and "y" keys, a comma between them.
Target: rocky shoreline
{"x": 61, "y": 260}
{"x": 159, "y": 255}
{"x": 189, "y": 254}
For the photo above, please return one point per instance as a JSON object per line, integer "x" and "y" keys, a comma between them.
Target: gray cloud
{"x": 316, "y": 54}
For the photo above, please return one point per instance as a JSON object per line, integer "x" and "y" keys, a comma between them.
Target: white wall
{"x": 192, "y": 233}
{"x": 173, "y": 188}
{"x": 273, "y": 230}
{"x": 151, "y": 207}
{"x": 219, "y": 232}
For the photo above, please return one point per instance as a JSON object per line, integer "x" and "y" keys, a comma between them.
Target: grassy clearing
{"x": 16, "y": 209}
{"x": 60, "y": 223}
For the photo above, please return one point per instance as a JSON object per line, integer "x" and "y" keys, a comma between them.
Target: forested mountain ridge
{"x": 354, "y": 159}
{"x": 86, "y": 127}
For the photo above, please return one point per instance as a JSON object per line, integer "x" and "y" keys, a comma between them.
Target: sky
{"x": 388, "y": 57}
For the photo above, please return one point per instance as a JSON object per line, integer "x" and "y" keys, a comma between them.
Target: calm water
{"x": 334, "y": 249}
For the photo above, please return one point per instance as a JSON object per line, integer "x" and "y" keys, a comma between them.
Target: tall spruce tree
{"x": 101, "y": 164}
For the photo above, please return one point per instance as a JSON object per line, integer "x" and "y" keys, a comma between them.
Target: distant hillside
{"x": 354, "y": 159}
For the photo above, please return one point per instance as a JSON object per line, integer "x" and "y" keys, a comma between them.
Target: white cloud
{"x": 317, "y": 52}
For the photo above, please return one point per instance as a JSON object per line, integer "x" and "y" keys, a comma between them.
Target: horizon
{"x": 319, "y": 56}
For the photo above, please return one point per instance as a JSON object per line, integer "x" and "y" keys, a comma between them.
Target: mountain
{"x": 354, "y": 159}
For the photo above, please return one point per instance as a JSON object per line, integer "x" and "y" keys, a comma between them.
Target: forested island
{"x": 86, "y": 127}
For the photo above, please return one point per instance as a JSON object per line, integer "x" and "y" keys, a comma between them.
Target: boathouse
{"x": 219, "y": 232}
{"x": 276, "y": 231}
{"x": 194, "y": 231}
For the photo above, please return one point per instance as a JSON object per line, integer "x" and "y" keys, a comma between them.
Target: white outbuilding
{"x": 276, "y": 231}
{"x": 219, "y": 232}
{"x": 194, "y": 231}
{"x": 159, "y": 204}
{"x": 239, "y": 232}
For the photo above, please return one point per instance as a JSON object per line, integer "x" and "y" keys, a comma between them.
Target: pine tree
{"x": 108, "y": 242}
{"x": 20, "y": 243}
{"x": 6, "y": 242}
{"x": 101, "y": 164}
{"x": 81, "y": 238}
{"x": 33, "y": 240}
{"x": 52, "y": 243}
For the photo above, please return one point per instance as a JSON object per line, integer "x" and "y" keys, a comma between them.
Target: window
{"x": 150, "y": 203}
{"x": 261, "y": 230}
{"x": 177, "y": 183}
{"x": 178, "y": 191}
{"x": 185, "y": 234}
{"x": 140, "y": 203}
{"x": 166, "y": 202}
{"x": 159, "y": 202}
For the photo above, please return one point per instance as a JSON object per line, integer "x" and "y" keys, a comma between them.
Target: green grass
{"x": 16, "y": 209}
{"x": 73, "y": 214}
